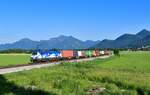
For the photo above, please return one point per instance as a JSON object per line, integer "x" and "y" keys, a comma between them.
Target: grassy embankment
{"x": 125, "y": 75}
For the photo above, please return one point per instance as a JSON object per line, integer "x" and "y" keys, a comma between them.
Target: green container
{"x": 88, "y": 53}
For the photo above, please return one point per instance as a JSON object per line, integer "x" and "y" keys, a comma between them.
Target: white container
{"x": 80, "y": 53}
{"x": 102, "y": 52}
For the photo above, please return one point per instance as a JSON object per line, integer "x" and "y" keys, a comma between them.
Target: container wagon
{"x": 75, "y": 54}
{"x": 106, "y": 52}
{"x": 81, "y": 54}
{"x": 94, "y": 53}
{"x": 101, "y": 52}
{"x": 88, "y": 53}
{"x": 67, "y": 54}
{"x": 97, "y": 52}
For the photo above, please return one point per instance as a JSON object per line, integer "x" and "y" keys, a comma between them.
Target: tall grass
{"x": 128, "y": 74}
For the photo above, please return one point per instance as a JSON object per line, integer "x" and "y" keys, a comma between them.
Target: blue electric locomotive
{"x": 45, "y": 56}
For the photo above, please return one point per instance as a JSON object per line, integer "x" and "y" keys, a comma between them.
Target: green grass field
{"x": 13, "y": 59}
{"x": 128, "y": 74}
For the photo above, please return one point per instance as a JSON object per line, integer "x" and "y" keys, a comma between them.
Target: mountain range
{"x": 60, "y": 42}
{"x": 140, "y": 39}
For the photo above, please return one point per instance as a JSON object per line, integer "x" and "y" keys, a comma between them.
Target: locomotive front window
{"x": 34, "y": 53}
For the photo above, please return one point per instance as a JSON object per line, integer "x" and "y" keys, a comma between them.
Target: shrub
{"x": 116, "y": 52}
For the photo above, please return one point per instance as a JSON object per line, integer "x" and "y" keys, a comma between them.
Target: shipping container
{"x": 94, "y": 53}
{"x": 67, "y": 53}
{"x": 81, "y": 54}
{"x": 88, "y": 53}
{"x": 102, "y": 52}
{"x": 97, "y": 52}
{"x": 75, "y": 54}
{"x": 106, "y": 52}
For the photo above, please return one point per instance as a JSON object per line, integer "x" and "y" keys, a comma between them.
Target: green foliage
{"x": 116, "y": 52}
{"x": 16, "y": 51}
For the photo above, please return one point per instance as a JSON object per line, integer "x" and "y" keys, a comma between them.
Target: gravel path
{"x": 17, "y": 69}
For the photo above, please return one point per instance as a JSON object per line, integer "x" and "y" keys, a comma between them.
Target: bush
{"x": 16, "y": 51}
{"x": 116, "y": 52}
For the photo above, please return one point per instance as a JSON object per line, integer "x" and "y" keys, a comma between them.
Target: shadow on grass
{"x": 11, "y": 88}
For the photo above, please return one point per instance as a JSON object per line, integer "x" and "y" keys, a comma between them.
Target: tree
{"x": 116, "y": 52}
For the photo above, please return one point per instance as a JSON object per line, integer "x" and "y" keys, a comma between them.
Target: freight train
{"x": 39, "y": 56}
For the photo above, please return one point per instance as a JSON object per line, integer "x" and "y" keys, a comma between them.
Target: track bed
{"x": 22, "y": 67}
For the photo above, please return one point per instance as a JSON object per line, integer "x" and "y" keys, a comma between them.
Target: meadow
{"x": 128, "y": 74}
{"x": 13, "y": 59}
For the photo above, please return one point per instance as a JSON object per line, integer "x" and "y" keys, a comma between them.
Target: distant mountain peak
{"x": 145, "y": 30}
{"x": 88, "y": 41}
{"x": 70, "y": 42}
{"x": 106, "y": 40}
{"x": 125, "y": 36}
{"x": 143, "y": 33}
{"x": 127, "y": 40}
{"x": 60, "y": 42}
{"x": 61, "y": 36}
{"x": 71, "y": 37}
{"x": 25, "y": 39}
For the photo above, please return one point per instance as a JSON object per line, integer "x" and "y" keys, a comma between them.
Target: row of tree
{"x": 16, "y": 51}
{"x": 28, "y": 51}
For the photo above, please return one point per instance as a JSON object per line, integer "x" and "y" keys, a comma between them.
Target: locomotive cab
{"x": 35, "y": 56}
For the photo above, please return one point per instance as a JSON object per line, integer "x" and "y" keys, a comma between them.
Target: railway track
{"x": 17, "y": 68}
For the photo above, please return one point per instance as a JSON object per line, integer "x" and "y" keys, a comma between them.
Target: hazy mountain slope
{"x": 124, "y": 40}
{"x": 89, "y": 43}
{"x": 61, "y": 42}
{"x": 142, "y": 34}
{"x": 141, "y": 42}
{"x": 104, "y": 44}
{"x": 140, "y": 39}
{"x": 21, "y": 44}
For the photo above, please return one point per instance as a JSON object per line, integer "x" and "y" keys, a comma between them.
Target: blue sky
{"x": 83, "y": 19}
